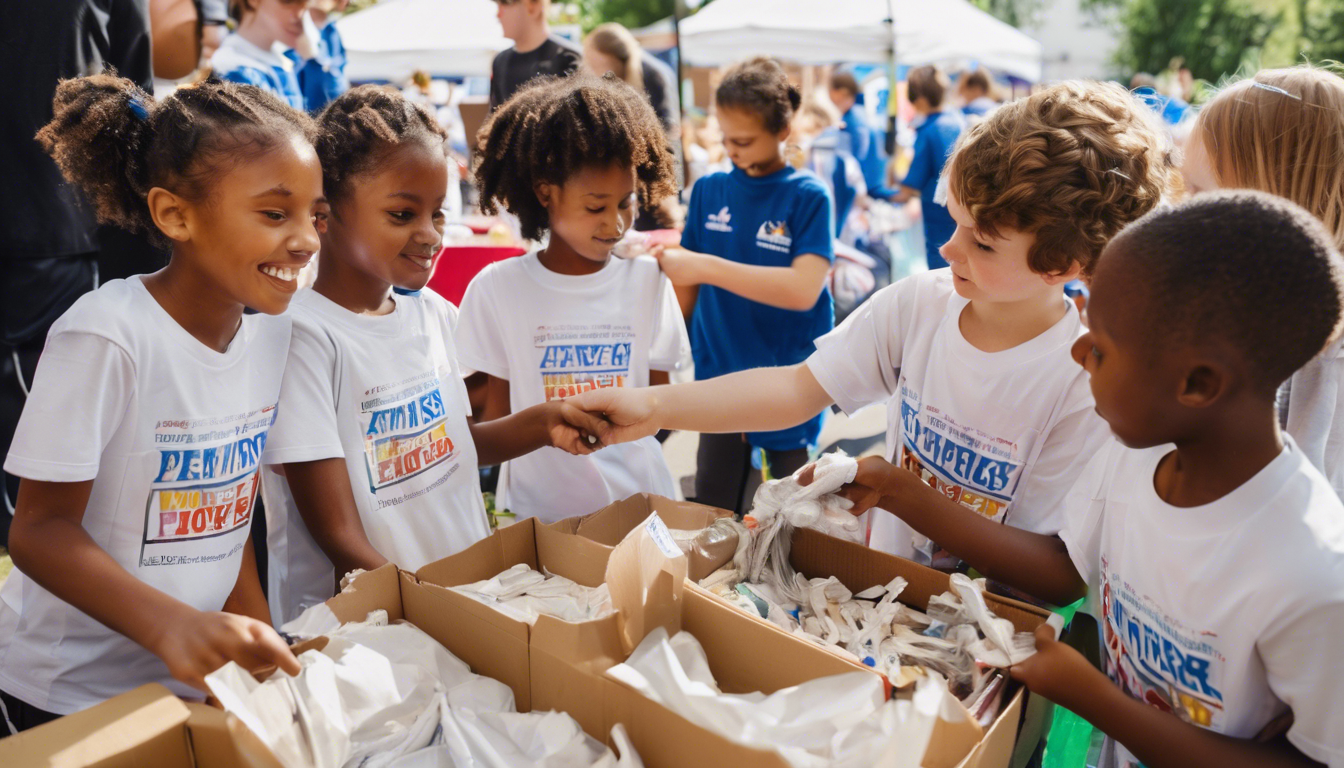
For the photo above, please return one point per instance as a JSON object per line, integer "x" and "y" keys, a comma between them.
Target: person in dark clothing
{"x": 535, "y": 52}
{"x": 51, "y": 247}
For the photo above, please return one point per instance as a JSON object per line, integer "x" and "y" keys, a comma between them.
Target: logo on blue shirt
{"x": 718, "y": 222}
{"x": 774, "y": 235}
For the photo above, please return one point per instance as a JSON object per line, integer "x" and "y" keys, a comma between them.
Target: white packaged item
{"x": 524, "y": 594}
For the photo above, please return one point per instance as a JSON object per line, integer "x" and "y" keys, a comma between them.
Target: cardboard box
{"x": 148, "y": 726}
{"x": 609, "y": 525}
{"x": 1008, "y": 741}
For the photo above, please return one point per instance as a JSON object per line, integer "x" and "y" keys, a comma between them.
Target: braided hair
{"x": 357, "y": 130}
{"x": 553, "y": 128}
{"x": 116, "y": 143}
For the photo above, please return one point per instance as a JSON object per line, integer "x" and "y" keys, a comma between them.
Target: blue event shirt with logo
{"x": 767, "y": 222}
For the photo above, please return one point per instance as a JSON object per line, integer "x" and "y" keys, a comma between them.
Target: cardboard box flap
{"x": 220, "y": 740}
{"x": 487, "y": 558}
{"x": 144, "y": 726}
{"x": 647, "y": 576}
{"x": 610, "y": 524}
{"x": 580, "y": 560}
{"x": 379, "y": 588}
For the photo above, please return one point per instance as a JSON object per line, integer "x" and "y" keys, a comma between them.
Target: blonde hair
{"x": 1282, "y": 132}
{"x": 1072, "y": 164}
{"x": 612, "y": 39}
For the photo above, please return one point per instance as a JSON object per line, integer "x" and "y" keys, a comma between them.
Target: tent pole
{"x": 892, "y": 99}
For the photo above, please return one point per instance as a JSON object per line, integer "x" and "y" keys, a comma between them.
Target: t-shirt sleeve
{"x": 1301, "y": 662}
{"x": 923, "y": 165}
{"x": 480, "y": 338}
{"x": 859, "y": 362}
{"x": 79, "y": 396}
{"x": 1069, "y": 445}
{"x": 249, "y": 76}
{"x": 671, "y": 345}
{"x": 306, "y": 427}
{"x": 814, "y": 224}
{"x": 1083, "y": 507}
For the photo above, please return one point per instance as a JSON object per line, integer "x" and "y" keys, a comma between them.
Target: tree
{"x": 633, "y": 14}
{"x": 1322, "y": 37}
{"x": 1215, "y": 37}
{"x": 1019, "y": 13}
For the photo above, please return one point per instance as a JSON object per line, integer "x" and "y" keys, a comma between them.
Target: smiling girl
{"x": 380, "y": 458}
{"x": 569, "y": 157}
{"x": 140, "y": 444}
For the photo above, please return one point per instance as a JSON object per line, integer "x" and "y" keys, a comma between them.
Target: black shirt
{"x": 43, "y": 220}
{"x": 660, "y": 84}
{"x": 511, "y": 70}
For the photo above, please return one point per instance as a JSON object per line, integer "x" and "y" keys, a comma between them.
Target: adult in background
{"x": 51, "y": 247}
{"x": 611, "y": 48}
{"x": 865, "y": 141}
{"x": 535, "y": 52}
{"x": 936, "y": 131}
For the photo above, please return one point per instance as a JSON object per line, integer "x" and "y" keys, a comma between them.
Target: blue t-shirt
{"x": 239, "y": 61}
{"x": 768, "y": 222}
{"x": 866, "y": 144}
{"x": 322, "y": 78}
{"x": 934, "y": 139}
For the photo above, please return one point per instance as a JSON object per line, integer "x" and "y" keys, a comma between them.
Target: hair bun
{"x": 795, "y": 95}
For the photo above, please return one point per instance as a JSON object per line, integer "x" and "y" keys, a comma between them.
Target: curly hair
{"x": 1245, "y": 269}
{"x": 357, "y": 130}
{"x": 113, "y": 141}
{"x": 759, "y": 85}
{"x": 1282, "y": 132}
{"x": 1071, "y": 164}
{"x": 553, "y": 128}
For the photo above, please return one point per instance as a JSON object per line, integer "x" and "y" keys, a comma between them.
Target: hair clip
{"x": 1274, "y": 89}
{"x": 1120, "y": 173}
{"x": 138, "y": 108}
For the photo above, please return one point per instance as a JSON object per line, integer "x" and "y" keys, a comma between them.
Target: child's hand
{"x": 574, "y": 430}
{"x": 198, "y": 643}
{"x": 1057, "y": 671}
{"x": 681, "y": 266}
{"x": 877, "y": 478}
{"x": 630, "y": 411}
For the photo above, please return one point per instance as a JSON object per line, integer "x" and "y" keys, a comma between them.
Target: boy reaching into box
{"x": 1209, "y": 548}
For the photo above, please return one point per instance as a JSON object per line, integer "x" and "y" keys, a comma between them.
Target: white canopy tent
{"x": 393, "y": 38}
{"x": 948, "y": 32}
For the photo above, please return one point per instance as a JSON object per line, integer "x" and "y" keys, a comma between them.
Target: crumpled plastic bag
{"x": 379, "y": 695}
{"x": 815, "y": 505}
{"x": 841, "y": 720}
{"x": 524, "y": 594}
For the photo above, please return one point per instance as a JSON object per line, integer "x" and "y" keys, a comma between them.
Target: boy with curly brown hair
{"x": 984, "y": 401}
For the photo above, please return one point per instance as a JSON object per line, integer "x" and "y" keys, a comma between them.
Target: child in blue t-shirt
{"x": 262, "y": 52}
{"x": 934, "y": 138}
{"x": 758, "y": 242}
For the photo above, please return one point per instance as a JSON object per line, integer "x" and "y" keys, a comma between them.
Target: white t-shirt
{"x": 171, "y": 433}
{"x": 554, "y": 336}
{"x": 1004, "y": 433}
{"x": 1315, "y": 413}
{"x": 1225, "y": 613}
{"x": 386, "y": 393}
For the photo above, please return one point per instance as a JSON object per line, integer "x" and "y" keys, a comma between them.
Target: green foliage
{"x": 1215, "y": 37}
{"x": 1322, "y": 37}
{"x": 633, "y": 14}
{"x": 1019, "y": 13}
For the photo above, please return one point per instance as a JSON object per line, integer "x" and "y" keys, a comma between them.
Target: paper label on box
{"x": 662, "y": 537}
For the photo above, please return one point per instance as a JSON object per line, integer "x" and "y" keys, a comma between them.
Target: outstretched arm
{"x": 796, "y": 287}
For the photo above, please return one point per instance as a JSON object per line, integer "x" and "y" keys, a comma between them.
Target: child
{"x": 535, "y": 52}
{"x": 758, "y": 242}
{"x": 1209, "y": 548}
{"x": 865, "y": 142}
{"x": 935, "y": 135}
{"x": 973, "y": 363}
{"x": 1282, "y": 132}
{"x": 380, "y": 459}
{"x": 567, "y": 157}
{"x": 140, "y": 442}
{"x": 271, "y": 50}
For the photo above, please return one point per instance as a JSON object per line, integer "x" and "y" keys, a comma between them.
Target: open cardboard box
{"x": 147, "y": 726}
{"x": 1010, "y": 739}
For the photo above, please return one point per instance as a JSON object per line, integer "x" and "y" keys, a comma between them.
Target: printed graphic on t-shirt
{"x": 204, "y": 488}
{"x": 774, "y": 236}
{"x": 1156, "y": 659}
{"x": 718, "y": 222}
{"x": 972, "y": 468}
{"x": 578, "y": 358}
{"x": 405, "y": 430}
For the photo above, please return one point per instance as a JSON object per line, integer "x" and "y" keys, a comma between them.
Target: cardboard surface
{"x": 142, "y": 727}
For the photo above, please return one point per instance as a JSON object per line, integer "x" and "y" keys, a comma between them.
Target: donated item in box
{"x": 148, "y": 726}
{"x": 859, "y": 568}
